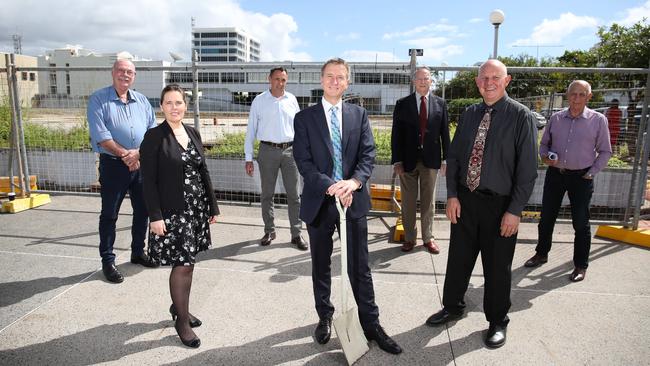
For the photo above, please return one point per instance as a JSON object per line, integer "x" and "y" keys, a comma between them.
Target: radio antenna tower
{"x": 18, "y": 47}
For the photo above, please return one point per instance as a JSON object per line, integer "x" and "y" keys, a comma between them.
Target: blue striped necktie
{"x": 337, "y": 172}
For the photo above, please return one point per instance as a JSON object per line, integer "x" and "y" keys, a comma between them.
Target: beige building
{"x": 27, "y": 80}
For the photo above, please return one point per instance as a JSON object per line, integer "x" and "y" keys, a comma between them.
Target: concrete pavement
{"x": 256, "y": 302}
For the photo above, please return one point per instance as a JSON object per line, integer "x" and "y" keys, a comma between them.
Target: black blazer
{"x": 405, "y": 138}
{"x": 312, "y": 150}
{"x": 162, "y": 171}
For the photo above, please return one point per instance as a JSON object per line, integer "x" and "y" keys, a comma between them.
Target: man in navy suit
{"x": 419, "y": 143}
{"x": 335, "y": 153}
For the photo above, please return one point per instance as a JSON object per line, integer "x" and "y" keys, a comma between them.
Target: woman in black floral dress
{"x": 180, "y": 201}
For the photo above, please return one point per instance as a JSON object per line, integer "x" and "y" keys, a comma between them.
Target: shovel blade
{"x": 350, "y": 334}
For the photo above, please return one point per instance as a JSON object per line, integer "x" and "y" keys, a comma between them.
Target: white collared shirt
{"x": 418, "y": 99}
{"x": 270, "y": 119}
{"x": 327, "y": 106}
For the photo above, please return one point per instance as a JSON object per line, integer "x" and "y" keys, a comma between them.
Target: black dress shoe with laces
{"x": 299, "y": 242}
{"x": 442, "y": 317}
{"x": 267, "y": 238}
{"x": 143, "y": 260}
{"x": 383, "y": 340}
{"x": 496, "y": 336}
{"x": 323, "y": 330}
{"x": 111, "y": 273}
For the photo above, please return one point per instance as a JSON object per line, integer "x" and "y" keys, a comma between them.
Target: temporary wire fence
{"x": 53, "y": 103}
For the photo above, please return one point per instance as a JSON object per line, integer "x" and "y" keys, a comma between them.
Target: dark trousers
{"x": 116, "y": 180}
{"x": 477, "y": 230}
{"x": 580, "y": 191}
{"x": 320, "y": 244}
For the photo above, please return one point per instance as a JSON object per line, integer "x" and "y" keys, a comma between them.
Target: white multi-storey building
{"x": 225, "y": 44}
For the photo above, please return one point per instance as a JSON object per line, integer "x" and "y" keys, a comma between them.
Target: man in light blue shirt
{"x": 118, "y": 117}
{"x": 271, "y": 122}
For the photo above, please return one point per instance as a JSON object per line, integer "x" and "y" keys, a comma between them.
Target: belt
{"x": 481, "y": 192}
{"x": 282, "y": 145}
{"x": 570, "y": 171}
{"x": 109, "y": 156}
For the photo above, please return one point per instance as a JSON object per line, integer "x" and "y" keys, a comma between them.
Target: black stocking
{"x": 180, "y": 284}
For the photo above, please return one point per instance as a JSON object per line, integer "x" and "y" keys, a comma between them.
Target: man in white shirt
{"x": 271, "y": 123}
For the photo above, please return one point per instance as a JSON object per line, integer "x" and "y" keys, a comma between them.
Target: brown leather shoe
{"x": 578, "y": 274}
{"x": 299, "y": 242}
{"x": 267, "y": 238}
{"x": 408, "y": 246}
{"x": 536, "y": 260}
{"x": 432, "y": 247}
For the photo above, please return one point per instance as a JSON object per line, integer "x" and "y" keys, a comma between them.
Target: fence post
{"x": 195, "y": 91}
{"x": 15, "y": 134}
{"x": 644, "y": 146}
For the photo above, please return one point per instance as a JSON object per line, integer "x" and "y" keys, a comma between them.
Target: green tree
{"x": 622, "y": 46}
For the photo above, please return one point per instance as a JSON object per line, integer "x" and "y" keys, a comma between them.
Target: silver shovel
{"x": 347, "y": 325}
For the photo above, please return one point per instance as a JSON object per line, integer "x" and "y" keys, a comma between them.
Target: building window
{"x": 367, "y": 78}
{"x": 399, "y": 79}
{"x": 233, "y": 77}
{"x": 32, "y": 76}
{"x": 233, "y": 59}
{"x": 309, "y": 77}
{"x": 179, "y": 77}
{"x": 208, "y": 77}
{"x": 23, "y": 75}
{"x": 258, "y": 77}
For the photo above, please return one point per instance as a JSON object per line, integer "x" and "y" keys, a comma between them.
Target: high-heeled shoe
{"x": 194, "y": 321}
{"x": 193, "y": 343}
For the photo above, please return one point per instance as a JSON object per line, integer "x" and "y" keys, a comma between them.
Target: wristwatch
{"x": 589, "y": 176}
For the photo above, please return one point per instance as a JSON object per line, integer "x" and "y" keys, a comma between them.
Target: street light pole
{"x": 496, "y": 18}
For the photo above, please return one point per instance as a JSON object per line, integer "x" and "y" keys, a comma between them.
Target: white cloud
{"x": 476, "y": 20}
{"x": 555, "y": 30}
{"x": 634, "y": 15}
{"x": 347, "y": 37}
{"x": 427, "y": 42}
{"x": 369, "y": 56}
{"x": 429, "y": 28}
{"x": 147, "y": 28}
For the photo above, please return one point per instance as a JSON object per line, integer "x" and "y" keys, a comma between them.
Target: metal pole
{"x": 444, "y": 74}
{"x": 195, "y": 90}
{"x": 14, "y": 126}
{"x": 496, "y": 40}
{"x": 644, "y": 130}
{"x": 21, "y": 130}
{"x": 412, "y": 65}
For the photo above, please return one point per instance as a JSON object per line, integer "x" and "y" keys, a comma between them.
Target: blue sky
{"x": 455, "y": 32}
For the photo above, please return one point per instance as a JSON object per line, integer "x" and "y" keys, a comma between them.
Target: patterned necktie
{"x": 337, "y": 172}
{"x": 476, "y": 158}
{"x": 423, "y": 119}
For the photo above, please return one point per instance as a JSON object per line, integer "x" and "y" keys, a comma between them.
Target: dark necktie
{"x": 423, "y": 119}
{"x": 476, "y": 158}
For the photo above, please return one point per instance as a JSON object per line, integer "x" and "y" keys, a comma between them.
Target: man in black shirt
{"x": 491, "y": 172}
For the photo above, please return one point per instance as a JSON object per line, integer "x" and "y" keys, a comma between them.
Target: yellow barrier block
{"x": 637, "y": 237}
{"x": 531, "y": 214}
{"x": 398, "y": 234}
{"x": 383, "y": 191}
{"x": 5, "y": 187}
{"x": 22, "y": 204}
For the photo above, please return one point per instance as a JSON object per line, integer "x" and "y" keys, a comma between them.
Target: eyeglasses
{"x": 419, "y": 80}
{"x": 127, "y": 72}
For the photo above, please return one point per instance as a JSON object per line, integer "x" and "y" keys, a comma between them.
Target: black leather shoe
{"x": 578, "y": 274}
{"x": 323, "y": 331}
{"x": 194, "y": 321}
{"x": 300, "y": 242}
{"x": 144, "y": 260}
{"x": 442, "y": 317}
{"x": 536, "y": 260}
{"x": 112, "y": 274}
{"x": 267, "y": 238}
{"x": 192, "y": 343}
{"x": 383, "y": 340}
{"x": 496, "y": 336}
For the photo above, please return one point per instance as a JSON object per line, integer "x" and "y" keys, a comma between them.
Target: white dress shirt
{"x": 328, "y": 115}
{"x": 270, "y": 119}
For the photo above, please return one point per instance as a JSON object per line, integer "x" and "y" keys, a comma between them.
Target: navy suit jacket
{"x": 405, "y": 138}
{"x": 312, "y": 150}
